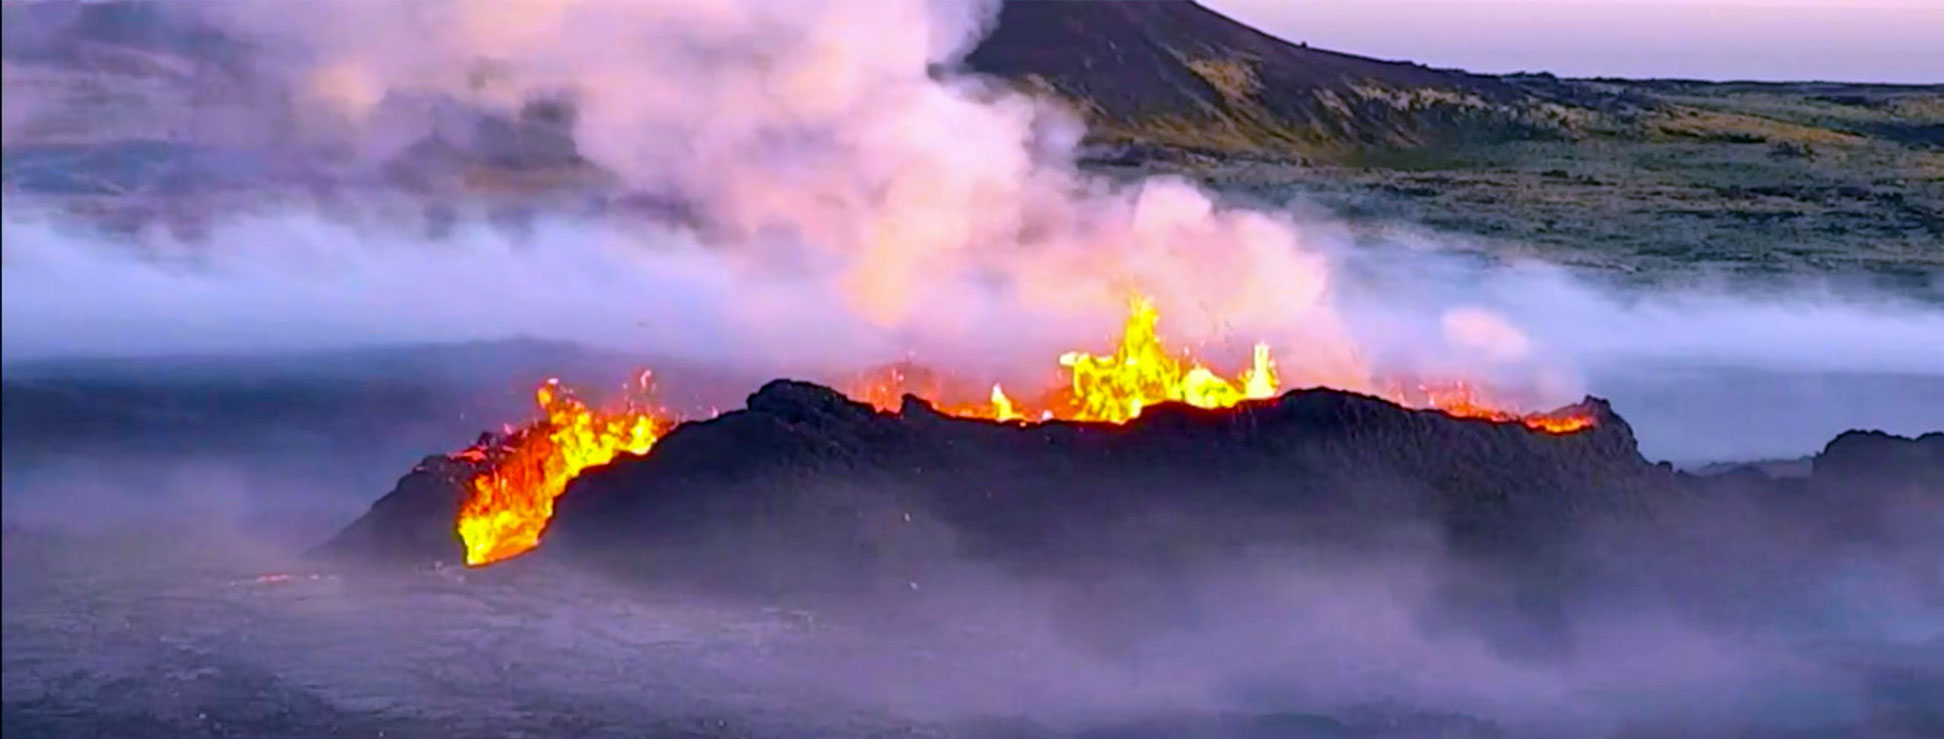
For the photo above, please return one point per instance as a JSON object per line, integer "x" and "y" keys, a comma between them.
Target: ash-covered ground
{"x": 202, "y": 618}
{"x": 150, "y": 640}
{"x": 110, "y": 638}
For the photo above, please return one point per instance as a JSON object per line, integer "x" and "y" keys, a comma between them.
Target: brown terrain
{"x": 1176, "y": 75}
{"x": 137, "y": 111}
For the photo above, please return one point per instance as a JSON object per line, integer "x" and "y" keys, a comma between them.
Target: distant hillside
{"x": 131, "y": 111}
{"x": 1155, "y": 74}
{"x": 1650, "y": 179}
{"x": 1179, "y": 74}
{"x": 1174, "y": 74}
{"x": 126, "y": 95}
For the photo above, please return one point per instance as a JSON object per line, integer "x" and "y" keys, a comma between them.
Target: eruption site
{"x": 527, "y": 468}
{"x": 1142, "y": 380}
{"x": 524, "y": 470}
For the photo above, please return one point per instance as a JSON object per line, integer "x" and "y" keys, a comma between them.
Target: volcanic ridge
{"x": 1187, "y": 77}
{"x": 875, "y": 496}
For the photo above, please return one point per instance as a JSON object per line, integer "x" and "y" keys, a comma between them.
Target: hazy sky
{"x": 1849, "y": 40}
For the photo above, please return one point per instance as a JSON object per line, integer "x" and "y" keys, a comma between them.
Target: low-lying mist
{"x": 1769, "y": 628}
{"x": 810, "y": 189}
{"x": 1781, "y": 371}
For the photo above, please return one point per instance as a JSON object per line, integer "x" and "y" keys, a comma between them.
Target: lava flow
{"x": 1141, "y": 372}
{"x": 511, "y": 502}
{"x": 1461, "y": 399}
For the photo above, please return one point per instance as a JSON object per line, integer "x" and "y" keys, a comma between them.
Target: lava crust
{"x": 802, "y": 450}
{"x": 806, "y": 487}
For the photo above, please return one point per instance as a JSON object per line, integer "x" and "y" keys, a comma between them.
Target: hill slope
{"x": 123, "y": 111}
{"x": 1179, "y": 74}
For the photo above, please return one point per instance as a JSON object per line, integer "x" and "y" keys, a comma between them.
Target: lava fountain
{"x": 509, "y": 503}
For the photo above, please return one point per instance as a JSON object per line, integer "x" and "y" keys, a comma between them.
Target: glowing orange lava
{"x": 1464, "y": 400}
{"x": 1141, "y": 372}
{"x": 512, "y": 500}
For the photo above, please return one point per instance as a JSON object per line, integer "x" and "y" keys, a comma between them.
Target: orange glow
{"x": 1141, "y": 372}
{"x": 1464, "y": 400}
{"x": 512, "y": 500}
{"x": 1109, "y": 387}
{"x": 885, "y": 387}
{"x": 1558, "y": 424}
{"x": 1002, "y": 406}
{"x": 1461, "y": 399}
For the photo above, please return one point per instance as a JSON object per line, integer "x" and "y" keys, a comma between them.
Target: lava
{"x": 1111, "y": 388}
{"x": 885, "y": 387}
{"x": 1141, "y": 372}
{"x": 1464, "y": 400}
{"x": 511, "y": 501}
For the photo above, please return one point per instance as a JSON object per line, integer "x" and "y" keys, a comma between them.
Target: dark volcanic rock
{"x": 1859, "y": 477}
{"x": 414, "y": 523}
{"x": 1184, "y": 75}
{"x": 806, "y": 471}
{"x": 1862, "y": 457}
{"x": 806, "y": 488}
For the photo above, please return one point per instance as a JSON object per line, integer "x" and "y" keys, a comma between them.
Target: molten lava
{"x": 513, "y": 498}
{"x": 1141, "y": 372}
{"x": 1111, "y": 387}
{"x": 885, "y": 387}
{"x": 1463, "y": 400}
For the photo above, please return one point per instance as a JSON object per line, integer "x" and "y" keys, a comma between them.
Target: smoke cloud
{"x": 830, "y": 195}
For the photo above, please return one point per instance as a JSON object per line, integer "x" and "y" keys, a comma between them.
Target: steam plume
{"x": 840, "y": 197}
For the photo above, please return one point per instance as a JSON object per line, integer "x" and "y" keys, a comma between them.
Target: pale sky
{"x": 1845, "y": 40}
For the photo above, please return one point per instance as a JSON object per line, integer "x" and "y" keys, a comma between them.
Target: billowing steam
{"x": 831, "y": 184}
{"x": 827, "y": 196}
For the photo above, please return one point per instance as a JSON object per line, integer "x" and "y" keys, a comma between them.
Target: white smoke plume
{"x": 814, "y": 141}
{"x": 844, "y": 198}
